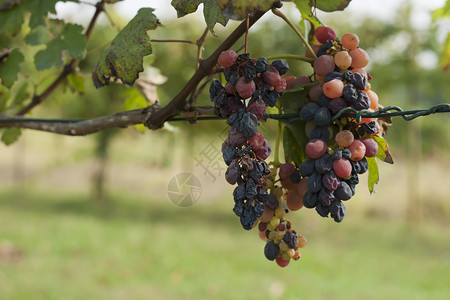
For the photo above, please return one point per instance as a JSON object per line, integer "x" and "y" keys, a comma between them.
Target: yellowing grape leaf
{"x": 374, "y": 175}
{"x": 9, "y": 67}
{"x": 240, "y": 9}
{"x": 124, "y": 58}
{"x": 211, "y": 10}
{"x": 307, "y": 8}
{"x": 383, "y": 149}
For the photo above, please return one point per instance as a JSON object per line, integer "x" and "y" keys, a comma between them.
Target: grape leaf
{"x": 4, "y": 96}
{"x": 11, "y": 20}
{"x": 70, "y": 44}
{"x": 10, "y": 135}
{"x": 331, "y": 5}
{"x": 12, "y": 16}
{"x": 374, "y": 176}
{"x": 124, "y": 58}
{"x": 290, "y": 102}
{"x": 76, "y": 83}
{"x": 212, "y": 12}
{"x": 305, "y": 10}
{"x": 39, "y": 10}
{"x": 39, "y": 35}
{"x": 383, "y": 149}
{"x": 293, "y": 150}
{"x": 240, "y": 9}
{"x": 9, "y": 67}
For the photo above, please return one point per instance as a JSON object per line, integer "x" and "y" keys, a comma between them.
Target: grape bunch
{"x": 251, "y": 86}
{"x": 337, "y": 150}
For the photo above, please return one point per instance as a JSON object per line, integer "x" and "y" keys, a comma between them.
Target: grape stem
{"x": 290, "y": 56}
{"x": 281, "y": 15}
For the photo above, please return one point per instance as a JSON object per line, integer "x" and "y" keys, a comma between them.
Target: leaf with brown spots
{"x": 124, "y": 58}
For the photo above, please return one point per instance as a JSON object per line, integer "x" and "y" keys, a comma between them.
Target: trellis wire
{"x": 389, "y": 111}
{"x": 408, "y": 115}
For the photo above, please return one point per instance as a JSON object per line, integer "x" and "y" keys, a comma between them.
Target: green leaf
{"x": 240, "y": 9}
{"x": 331, "y": 5}
{"x": 39, "y": 10}
{"x": 293, "y": 150}
{"x": 383, "y": 149}
{"x": 135, "y": 100}
{"x": 374, "y": 176}
{"x": 70, "y": 44}
{"x": 305, "y": 10}
{"x": 76, "y": 83}
{"x": 21, "y": 94}
{"x": 124, "y": 58}
{"x": 10, "y": 135}
{"x": 39, "y": 35}
{"x": 211, "y": 11}
{"x": 9, "y": 67}
{"x": 11, "y": 20}
{"x": 441, "y": 13}
{"x": 4, "y": 96}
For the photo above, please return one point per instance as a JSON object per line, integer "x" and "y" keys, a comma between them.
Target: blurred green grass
{"x": 146, "y": 248}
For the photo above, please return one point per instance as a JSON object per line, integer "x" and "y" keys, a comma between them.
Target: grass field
{"x": 146, "y": 248}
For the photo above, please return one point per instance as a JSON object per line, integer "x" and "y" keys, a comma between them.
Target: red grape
{"x": 265, "y": 150}
{"x": 256, "y": 141}
{"x": 342, "y": 168}
{"x": 344, "y": 138}
{"x": 373, "y": 98}
{"x": 315, "y": 48}
{"x": 257, "y": 107}
{"x": 371, "y": 147}
{"x": 333, "y": 88}
{"x": 324, "y": 64}
{"x": 231, "y": 89}
{"x": 360, "y": 58}
{"x": 358, "y": 150}
{"x": 316, "y": 148}
{"x": 244, "y": 88}
{"x": 343, "y": 60}
{"x": 286, "y": 170}
{"x": 271, "y": 76}
{"x": 315, "y": 91}
{"x": 227, "y": 58}
{"x": 281, "y": 262}
{"x": 294, "y": 200}
{"x": 350, "y": 41}
{"x": 323, "y": 34}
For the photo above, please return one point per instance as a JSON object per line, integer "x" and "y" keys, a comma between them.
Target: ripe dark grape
{"x": 281, "y": 65}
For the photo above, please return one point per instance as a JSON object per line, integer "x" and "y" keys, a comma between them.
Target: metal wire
{"x": 389, "y": 111}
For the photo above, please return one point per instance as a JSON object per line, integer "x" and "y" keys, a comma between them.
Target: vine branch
{"x": 141, "y": 116}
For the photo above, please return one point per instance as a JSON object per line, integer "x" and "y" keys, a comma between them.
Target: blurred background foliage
{"x": 395, "y": 244}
